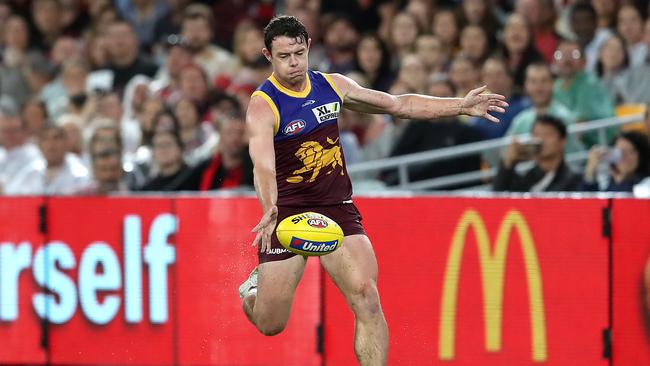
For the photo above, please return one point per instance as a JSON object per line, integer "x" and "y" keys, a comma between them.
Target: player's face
{"x": 289, "y": 59}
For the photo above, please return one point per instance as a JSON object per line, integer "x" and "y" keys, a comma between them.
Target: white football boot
{"x": 249, "y": 286}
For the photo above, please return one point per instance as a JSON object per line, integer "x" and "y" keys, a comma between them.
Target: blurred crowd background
{"x": 100, "y": 96}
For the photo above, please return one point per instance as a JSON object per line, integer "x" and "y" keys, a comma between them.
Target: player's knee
{"x": 271, "y": 328}
{"x": 365, "y": 300}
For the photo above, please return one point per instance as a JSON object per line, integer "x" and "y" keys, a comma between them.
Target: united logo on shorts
{"x": 317, "y": 223}
{"x": 313, "y": 246}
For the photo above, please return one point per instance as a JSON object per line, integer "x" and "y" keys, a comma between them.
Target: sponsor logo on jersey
{"x": 294, "y": 127}
{"x": 327, "y": 112}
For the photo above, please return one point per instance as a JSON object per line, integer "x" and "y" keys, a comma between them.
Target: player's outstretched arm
{"x": 260, "y": 122}
{"x": 417, "y": 106}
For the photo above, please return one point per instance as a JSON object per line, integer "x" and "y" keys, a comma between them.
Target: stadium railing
{"x": 476, "y": 180}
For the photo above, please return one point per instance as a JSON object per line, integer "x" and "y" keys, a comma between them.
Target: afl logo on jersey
{"x": 294, "y": 127}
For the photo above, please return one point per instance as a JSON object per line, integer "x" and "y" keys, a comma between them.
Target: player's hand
{"x": 479, "y": 105}
{"x": 264, "y": 229}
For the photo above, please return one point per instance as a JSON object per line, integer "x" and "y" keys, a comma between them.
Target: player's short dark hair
{"x": 284, "y": 25}
{"x": 554, "y": 122}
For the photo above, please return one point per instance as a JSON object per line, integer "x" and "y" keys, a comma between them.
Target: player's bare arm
{"x": 417, "y": 106}
{"x": 260, "y": 122}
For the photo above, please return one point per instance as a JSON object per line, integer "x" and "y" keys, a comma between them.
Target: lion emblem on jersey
{"x": 316, "y": 158}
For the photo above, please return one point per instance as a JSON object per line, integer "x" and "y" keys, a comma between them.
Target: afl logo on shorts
{"x": 294, "y": 127}
{"x": 317, "y": 223}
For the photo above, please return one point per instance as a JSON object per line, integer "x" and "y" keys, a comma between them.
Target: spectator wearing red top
{"x": 230, "y": 166}
{"x": 541, "y": 16}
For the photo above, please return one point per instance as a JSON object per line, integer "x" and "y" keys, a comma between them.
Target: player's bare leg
{"x": 353, "y": 268}
{"x": 269, "y": 307}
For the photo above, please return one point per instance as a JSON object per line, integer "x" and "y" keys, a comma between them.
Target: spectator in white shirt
{"x": 196, "y": 30}
{"x": 16, "y": 152}
{"x": 56, "y": 173}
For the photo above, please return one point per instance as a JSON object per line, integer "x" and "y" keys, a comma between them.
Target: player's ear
{"x": 266, "y": 53}
{"x": 308, "y": 43}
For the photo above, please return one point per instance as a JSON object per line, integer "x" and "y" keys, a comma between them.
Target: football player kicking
{"x": 294, "y": 144}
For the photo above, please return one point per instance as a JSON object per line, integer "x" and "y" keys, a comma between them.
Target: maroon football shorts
{"x": 344, "y": 214}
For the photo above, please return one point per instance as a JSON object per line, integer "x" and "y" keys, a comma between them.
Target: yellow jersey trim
{"x": 289, "y": 92}
{"x": 331, "y": 82}
{"x": 268, "y": 100}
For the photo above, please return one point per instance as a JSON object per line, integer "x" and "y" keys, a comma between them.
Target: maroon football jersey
{"x": 309, "y": 161}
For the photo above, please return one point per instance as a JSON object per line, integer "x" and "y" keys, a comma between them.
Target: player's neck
{"x": 297, "y": 87}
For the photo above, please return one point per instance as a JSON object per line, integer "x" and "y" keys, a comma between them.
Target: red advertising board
{"x": 493, "y": 281}
{"x": 140, "y": 281}
{"x": 483, "y": 281}
{"x": 631, "y": 282}
{"x": 20, "y": 330}
{"x": 216, "y": 256}
{"x": 112, "y": 287}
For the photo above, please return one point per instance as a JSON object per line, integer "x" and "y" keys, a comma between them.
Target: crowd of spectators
{"x": 100, "y": 96}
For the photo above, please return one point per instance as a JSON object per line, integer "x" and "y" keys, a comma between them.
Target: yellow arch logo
{"x": 492, "y": 261}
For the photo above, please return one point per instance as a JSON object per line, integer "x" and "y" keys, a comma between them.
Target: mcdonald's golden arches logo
{"x": 492, "y": 262}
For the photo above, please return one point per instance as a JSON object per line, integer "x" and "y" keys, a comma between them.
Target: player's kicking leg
{"x": 267, "y": 300}
{"x": 353, "y": 268}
